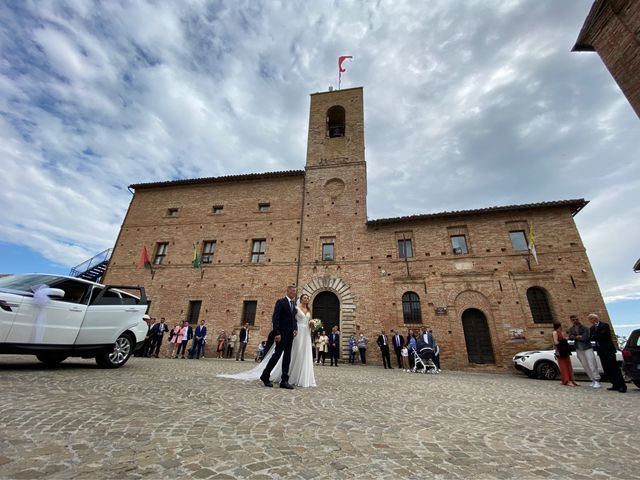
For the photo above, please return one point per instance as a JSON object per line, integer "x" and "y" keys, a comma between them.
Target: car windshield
{"x": 27, "y": 283}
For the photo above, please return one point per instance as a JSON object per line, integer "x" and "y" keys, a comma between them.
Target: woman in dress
{"x": 222, "y": 339}
{"x": 563, "y": 355}
{"x": 174, "y": 340}
{"x": 301, "y": 367}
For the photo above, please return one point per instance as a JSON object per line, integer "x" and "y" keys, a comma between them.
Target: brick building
{"x": 612, "y": 28}
{"x": 466, "y": 274}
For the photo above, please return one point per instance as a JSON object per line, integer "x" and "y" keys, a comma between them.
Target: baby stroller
{"x": 423, "y": 357}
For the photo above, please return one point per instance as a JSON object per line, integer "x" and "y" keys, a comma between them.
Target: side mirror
{"x": 55, "y": 292}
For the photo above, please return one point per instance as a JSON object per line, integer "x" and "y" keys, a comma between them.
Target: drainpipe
{"x": 304, "y": 190}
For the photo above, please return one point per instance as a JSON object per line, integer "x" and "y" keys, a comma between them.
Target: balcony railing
{"x": 94, "y": 268}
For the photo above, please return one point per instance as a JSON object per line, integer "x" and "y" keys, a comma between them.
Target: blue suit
{"x": 284, "y": 324}
{"x": 198, "y": 341}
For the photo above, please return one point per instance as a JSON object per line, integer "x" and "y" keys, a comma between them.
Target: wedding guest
{"x": 323, "y": 347}
{"x": 353, "y": 348}
{"x": 316, "y": 347}
{"x": 383, "y": 343}
{"x": 198, "y": 341}
{"x": 436, "y": 350}
{"x": 398, "y": 342}
{"x": 412, "y": 345}
{"x": 563, "y": 355}
{"x": 601, "y": 334}
{"x": 146, "y": 346}
{"x": 334, "y": 346}
{"x": 222, "y": 339}
{"x": 260, "y": 352}
{"x": 362, "y": 348}
{"x": 157, "y": 333}
{"x": 187, "y": 334}
{"x": 244, "y": 340}
{"x": 584, "y": 351}
{"x": 174, "y": 339}
{"x": 404, "y": 353}
{"x": 233, "y": 340}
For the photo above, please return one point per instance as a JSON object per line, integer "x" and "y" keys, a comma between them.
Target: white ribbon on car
{"x": 40, "y": 301}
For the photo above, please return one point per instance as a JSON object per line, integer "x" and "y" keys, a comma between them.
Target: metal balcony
{"x": 94, "y": 268}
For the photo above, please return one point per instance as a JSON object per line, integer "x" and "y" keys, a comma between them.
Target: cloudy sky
{"x": 468, "y": 104}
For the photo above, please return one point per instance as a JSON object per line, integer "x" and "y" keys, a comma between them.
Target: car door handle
{"x": 75, "y": 310}
{"x": 131, "y": 310}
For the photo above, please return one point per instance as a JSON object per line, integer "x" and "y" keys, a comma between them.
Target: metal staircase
{"x": 94, "y": 268}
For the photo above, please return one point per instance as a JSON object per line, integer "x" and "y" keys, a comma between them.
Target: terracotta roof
{"x": 581, "y": 44}
{"x": 225, "y": 178}
{"x": 574, "y": 205}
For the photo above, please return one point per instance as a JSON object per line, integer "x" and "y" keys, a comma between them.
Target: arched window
{"x": 539, "y": 305}
{"x": 335, "y": 121}
{"x": 411, "y": 308}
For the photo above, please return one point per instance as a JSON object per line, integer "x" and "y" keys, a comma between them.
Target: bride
{"x": 301, "y": 368}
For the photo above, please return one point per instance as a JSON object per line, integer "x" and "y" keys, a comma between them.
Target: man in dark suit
{"x": 198, "y": 341}
{"x": 156, "y": 333}
{"x": 383, "y": 343}
{"x": 398, "y": 342}
{"x": 601, "y": 334}
{"x": 285, "y": 327}
{"x": 244, "y": 340}
{"x": 334, "y": 346}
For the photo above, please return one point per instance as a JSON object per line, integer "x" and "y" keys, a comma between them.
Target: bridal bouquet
{"x": 315, "y": 323}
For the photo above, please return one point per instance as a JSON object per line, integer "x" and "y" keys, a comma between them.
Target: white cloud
{"x": 467, "y": 104}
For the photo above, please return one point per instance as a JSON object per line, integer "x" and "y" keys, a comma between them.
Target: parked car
{"x": 544, "y": 365}
{"x": 55, "y": 316}
{"x": 631, "y": 356}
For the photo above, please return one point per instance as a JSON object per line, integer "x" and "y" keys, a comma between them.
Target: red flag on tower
{"x": 341, "y": 59}
{"x": 144, "y": 261}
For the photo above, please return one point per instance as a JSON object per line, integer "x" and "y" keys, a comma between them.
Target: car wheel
{"x": 51, "y": 358}
{"x": 122, "y": 349}
{"x": 547, "y": 371}
{"x": 625, "y": 375}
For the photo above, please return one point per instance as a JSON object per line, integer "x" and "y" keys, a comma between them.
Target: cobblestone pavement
{"x": 162, "y": 418}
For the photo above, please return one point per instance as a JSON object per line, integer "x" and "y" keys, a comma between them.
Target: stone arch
{"x": 475, "y": 300}
{"x": 347, "y": 307}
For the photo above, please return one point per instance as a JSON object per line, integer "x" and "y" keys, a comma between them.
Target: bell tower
{"x": 335, "y": 210}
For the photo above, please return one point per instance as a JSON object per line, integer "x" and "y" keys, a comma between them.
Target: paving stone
{"x": 170, "y": 419}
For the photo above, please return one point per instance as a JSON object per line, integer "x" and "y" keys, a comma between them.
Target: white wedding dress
{"x": 301, "y": 366}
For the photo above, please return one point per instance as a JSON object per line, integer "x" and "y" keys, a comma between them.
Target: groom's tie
{"x": 292, "y": 305}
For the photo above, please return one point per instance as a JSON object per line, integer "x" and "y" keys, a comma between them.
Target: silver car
{"x": 55, "y": 316}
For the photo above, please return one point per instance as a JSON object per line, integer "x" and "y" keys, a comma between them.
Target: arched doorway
{"x": 477, "y": 337}
{"x": 326, "y": 307}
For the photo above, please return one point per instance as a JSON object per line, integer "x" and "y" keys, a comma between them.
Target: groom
{"x": 285, "y": 327}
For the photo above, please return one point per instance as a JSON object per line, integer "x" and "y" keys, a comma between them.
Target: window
{"x": 249, "y": 312}
{"x": 327, "y": 252}
{"x": 411, "y": 308}
{"x": 161, "y": 253}
{"x": 208, "y": 249}
{"x": 335, "y": 122}
{"x": 539, "y": 305}
{"x": 172, "y": 212}
{"x": 258, "y": 251}
{"x": 264, "y": 207}
{"x": 459, "y": 245}
{"x": 519, "y": 241}
{"x": 405, "y": 250}
{"x": 217, "y": 209}
{"x": 193, "y": 314}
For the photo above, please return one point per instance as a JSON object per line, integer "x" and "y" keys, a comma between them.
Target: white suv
{"x": 54, "y": 317}
{"x": 543, "y": 364}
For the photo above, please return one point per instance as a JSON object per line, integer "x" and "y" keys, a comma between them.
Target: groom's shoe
{"x": 266, "y": 382}
{"x": 286, "y": 385}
